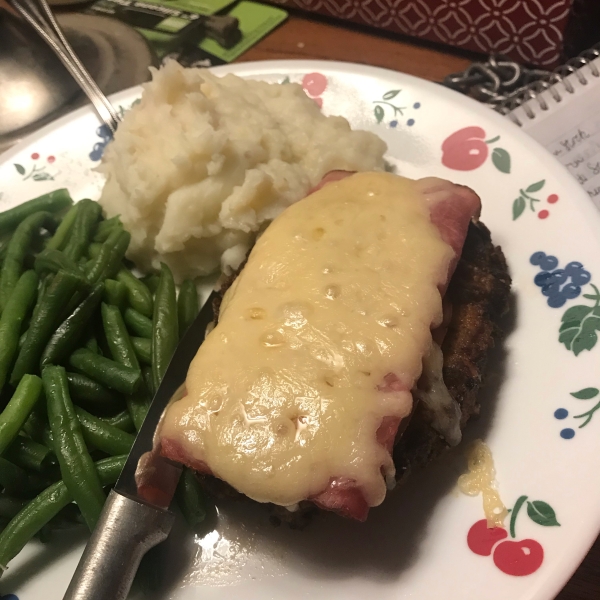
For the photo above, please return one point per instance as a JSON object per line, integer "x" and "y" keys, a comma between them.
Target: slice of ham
{"x": 451, "y": 209}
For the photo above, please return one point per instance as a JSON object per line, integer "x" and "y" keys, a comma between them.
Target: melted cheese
{"x": 481, "y": 479}
{"x": 444, "y": 411}
{"x": 287, "y": 392}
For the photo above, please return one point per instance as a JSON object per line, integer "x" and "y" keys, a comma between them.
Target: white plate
{"x": 415, "y": 545}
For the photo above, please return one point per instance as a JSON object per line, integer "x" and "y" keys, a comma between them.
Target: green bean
{"x": 165, "y": 332}
{"x": 36, "y": 422}
{"x": 143, "y": 349}
{"x": 137, "y": 406}
{"x": 68, "y": 518}
{"x": 3, "y": 250}
{"x": 91, "y": 395}
{"x": 17, "y": 410}
{"x": 108, "y": 262}
{"x": 94, "y": 250}
{"x": 190, "y": 498}
{"x": 47, "y": 316}
{"x": 47, "y": 505}
{"x": 151, "y": 282}
{"x": 187, "y": 305}
{"x": 76, "y": 465}
{"x": 48, "y": 439}
{"x": 27, "y": 454}
{"x": 69, "y": 332}
{"x": 101, "y": 435}
{"x": 148, "y": 379}
{"x": 121, "y": 421}
{"x": 9, "y": 506}
{"x": 92, "y": 344}
{"x": 15, "y": 480}
{"x": 16, "y": 252}
{"x": 51, "y": 202}
{"x": 123, "y": 352}
{"x": 87, "y": 216}
{"x": 121, "y": 348}
{"x": 137, "y": 323}
{"x": 138, "y": 294}
{"x": 106, "y": 372}
{"x": 17, "y": 308}
{"x": 45, "y": 283}
{"x": 52, "y": 261}
{"x": 58, "y": 240}
{"x": 115, "y": 293}
{"x": 105, "y": 228}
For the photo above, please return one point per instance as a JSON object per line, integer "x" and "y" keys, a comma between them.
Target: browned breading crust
{"x": 479, "y": 295}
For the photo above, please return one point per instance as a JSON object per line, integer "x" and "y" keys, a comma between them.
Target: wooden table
{"x": 318, "y": 39}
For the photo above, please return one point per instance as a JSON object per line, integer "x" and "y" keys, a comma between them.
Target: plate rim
{"x": 554, "y": 581}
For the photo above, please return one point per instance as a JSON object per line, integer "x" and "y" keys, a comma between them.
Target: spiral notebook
{"x": 563, "y": 114}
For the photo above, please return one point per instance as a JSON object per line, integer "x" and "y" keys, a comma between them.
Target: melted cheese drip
{"x": 481, "y": 479}
{"x": 443, "y": 409}
{"x": 340, "y": 291}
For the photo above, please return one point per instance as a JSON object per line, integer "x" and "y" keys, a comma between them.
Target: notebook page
{"x": 570, "y": 129}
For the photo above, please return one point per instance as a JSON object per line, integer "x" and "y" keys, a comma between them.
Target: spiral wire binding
{"x": 551, "y": 83}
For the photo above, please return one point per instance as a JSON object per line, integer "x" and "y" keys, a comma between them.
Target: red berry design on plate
{"x": 35, "y": 156}
{"x": 519, "y": 558}
{"x": 314, "y": 84}
{"x": 51, "y": 159}
{"x": 465, "y": 149}
{"x": 512, "y": 556}
{"x": 527, "y": 199}
{"x": 481, "y": 539}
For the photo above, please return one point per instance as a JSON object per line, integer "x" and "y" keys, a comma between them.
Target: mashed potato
{"x": 203, "y": 162}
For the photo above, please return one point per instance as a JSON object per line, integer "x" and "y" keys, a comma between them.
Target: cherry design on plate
{"x": 467, "y": 149}
{"x": 512, "y": 556}
{"x": 37, "y": 171}
{"x": 526, "y": 199}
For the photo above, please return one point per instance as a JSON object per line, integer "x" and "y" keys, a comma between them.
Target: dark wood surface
{"x": 304, "y": 38}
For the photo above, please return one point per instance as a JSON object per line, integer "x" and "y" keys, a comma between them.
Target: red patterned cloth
{"x": 529, "y": 31}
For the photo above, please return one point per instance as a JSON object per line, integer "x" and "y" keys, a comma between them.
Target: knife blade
{"x": 134, "y": 520}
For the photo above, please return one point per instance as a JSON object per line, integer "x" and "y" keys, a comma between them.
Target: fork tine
{"x": 41, "y": 18}
{"x": 58, "y": 31}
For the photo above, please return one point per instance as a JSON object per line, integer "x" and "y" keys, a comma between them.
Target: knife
{"x": 133, "y": 520}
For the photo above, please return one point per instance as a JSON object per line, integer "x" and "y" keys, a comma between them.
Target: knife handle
{"x": 125, "y": 532}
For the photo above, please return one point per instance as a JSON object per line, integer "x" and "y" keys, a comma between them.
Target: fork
{"x": 39, "y": 15}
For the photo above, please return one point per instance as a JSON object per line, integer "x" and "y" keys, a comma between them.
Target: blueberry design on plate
{"x": 386, "y": 106}
{"x": 105, "y": 135}
{"x": 467, "y": 149}
{"x": 568, "y": 433}
{"x": 517, "y": 557}
{"x": 580, "y": 323}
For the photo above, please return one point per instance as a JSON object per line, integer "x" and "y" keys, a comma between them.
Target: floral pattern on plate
{"x": 568, "y": 433}
{"x": 459, "y": 139}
